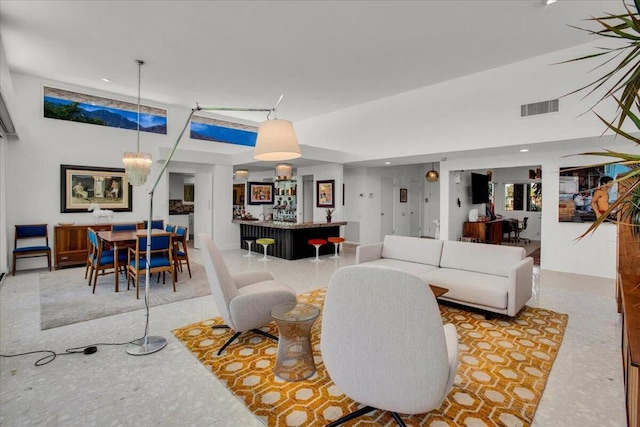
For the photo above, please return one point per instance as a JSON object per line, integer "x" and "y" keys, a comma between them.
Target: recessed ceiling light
{"x": 551, "y": 2}
{"x": 387, "y": 163}
{"x": 106, "y": 80}
{"x": 524, "y": 150}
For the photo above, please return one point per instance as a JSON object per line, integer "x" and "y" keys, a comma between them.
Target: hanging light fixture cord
{"x": 140, "y": 64}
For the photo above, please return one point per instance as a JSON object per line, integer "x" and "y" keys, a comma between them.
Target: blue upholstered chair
{"x": 124, "y": 227}
{"x": 182, "y": 254}
{"x": 171, "y": 228}
{"x": 31, "y": 233}
{"x": 158, "y": 224}
{"x": 102, "y": 260}
{"x": 161, "y": 259}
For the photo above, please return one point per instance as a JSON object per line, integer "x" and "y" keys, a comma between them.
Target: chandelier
{"x": 137, "y": 165}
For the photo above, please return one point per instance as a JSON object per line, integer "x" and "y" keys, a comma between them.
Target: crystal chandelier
{"x": 137, "y": 165}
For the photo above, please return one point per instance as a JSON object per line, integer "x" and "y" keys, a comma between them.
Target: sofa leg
{"x": 488, "y": 315}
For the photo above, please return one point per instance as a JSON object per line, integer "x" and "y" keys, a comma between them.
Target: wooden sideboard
{"x": 630, "y": 293}
{"x": 484, "y": 231}
{"x": 70, "y": 243}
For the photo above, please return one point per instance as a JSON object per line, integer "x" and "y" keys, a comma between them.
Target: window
{"x": 523, "y": 197}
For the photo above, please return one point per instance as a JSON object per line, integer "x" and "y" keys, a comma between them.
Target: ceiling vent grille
{"x": 544, "y": 107}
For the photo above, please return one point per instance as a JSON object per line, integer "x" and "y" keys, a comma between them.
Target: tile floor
{"x": 171, "y": 387}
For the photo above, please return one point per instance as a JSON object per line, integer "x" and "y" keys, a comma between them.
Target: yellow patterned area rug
{"x": 504, "y": 365}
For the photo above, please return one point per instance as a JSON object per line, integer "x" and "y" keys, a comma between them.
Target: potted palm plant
{"x": 623, "y": 83}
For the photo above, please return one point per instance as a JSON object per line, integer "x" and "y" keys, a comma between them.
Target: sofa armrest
{"x": 250, "y": 277}
{"x": 520, "y": 285}
{"x": 370, "y": 252}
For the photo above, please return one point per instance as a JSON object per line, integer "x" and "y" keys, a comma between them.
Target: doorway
{"x": 386, "y": 207}
{"x": 307, "y": 198}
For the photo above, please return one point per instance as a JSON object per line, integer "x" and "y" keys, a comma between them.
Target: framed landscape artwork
{"x": 81, "y": 186}
{"x": 260, "y": 193}
{"x": 325, "y": 194}
{"x": 209, "y": 129}
{"x": 63, "y": 104}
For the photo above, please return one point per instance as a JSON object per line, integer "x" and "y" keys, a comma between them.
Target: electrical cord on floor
{"x": 85, "y": 349}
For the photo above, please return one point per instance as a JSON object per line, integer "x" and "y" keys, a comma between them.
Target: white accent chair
{"x": 383, "y": 342}
{"x": 244, "y": 299}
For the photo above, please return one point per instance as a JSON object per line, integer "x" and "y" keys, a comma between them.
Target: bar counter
{"x": 291, "y": 238}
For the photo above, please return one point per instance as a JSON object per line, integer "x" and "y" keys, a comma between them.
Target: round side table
{"x": 295, "y": 355}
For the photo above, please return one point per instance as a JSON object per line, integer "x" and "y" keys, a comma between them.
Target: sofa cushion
{"x": 413, "y": 249}
{"x": 466, "y": 286}
{"x": 482, "y": 258}
{"x": 414, "y": 268}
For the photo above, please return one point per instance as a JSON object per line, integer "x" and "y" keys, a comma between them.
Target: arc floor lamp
{"x": 276, "y": 141}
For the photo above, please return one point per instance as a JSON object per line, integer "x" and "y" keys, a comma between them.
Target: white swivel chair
{"x": 244, "y": 299}
{"x": 383, "y": 343}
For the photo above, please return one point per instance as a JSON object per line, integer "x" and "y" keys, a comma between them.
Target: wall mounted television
{"x": 479, "y": 188}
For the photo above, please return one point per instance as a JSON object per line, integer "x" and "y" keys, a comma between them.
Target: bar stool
{"x": 249, "y": 240}
{"x": 336, "y": 242}
{"x": 265, "y": 242}
{"x": 317, "y": 243}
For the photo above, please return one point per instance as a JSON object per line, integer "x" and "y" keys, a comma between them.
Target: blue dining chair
{"x": 30, "y": 232}
{"x": 158, "y": 224}
{"x": 124, "y": 227}
{"x": 161, "y": 260}
{"x": 102, "y": 259}
{"x": 182, "y": 254}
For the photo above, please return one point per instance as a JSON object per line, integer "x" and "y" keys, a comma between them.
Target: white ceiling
{"x": 322, "y": 55}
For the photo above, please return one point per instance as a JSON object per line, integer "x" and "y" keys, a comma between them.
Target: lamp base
{"x": 145, "y": 346}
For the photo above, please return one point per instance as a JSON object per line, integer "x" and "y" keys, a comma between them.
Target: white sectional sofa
{"x": 493, "y": 278}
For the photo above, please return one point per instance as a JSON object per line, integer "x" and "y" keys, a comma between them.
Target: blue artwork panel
{"x": 209, "y": 129}
{"x": 78, "y": 107}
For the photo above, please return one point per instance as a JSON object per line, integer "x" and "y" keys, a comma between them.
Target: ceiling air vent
{"x": 543, "y": 107}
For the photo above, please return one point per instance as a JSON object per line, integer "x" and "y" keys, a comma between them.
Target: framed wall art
{"x": 325, "y": 194}
{"x": 63, "y": 104}
{"x": 82, "y": 186}
{"x": 189, "y": 193}
{"x": 260, "y": 193}
{"x": 403, "y": 195}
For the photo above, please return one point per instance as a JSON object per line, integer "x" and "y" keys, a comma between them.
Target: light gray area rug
{"x": 65, "y": 297}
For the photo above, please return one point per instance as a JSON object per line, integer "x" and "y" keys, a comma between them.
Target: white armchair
{"x": 383, "y": 342}
{"x": 245, "y": 299}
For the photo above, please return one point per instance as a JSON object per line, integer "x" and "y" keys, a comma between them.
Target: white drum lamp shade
{"x": 276, "y": 141}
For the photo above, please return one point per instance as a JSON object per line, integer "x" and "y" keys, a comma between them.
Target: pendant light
{"x": 137, "y": 165}
{"x": 276, "y": 140}
{"x": 284, "y": 171}
{"x": 432, "y": 175}
{"x": 241, "y": 174}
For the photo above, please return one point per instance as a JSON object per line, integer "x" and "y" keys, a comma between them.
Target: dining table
{"x": 126, "y": 239}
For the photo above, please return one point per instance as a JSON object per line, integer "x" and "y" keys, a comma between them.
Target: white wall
{"x": 472, "y": 112}
{"x": 329, "y": 171}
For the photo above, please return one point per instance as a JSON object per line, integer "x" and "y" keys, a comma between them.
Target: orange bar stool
{"x": 336, "y": 242}
{"x": 317, "y": 243}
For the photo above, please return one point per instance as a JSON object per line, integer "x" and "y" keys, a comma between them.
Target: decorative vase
{"x": 328, "y": 220}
